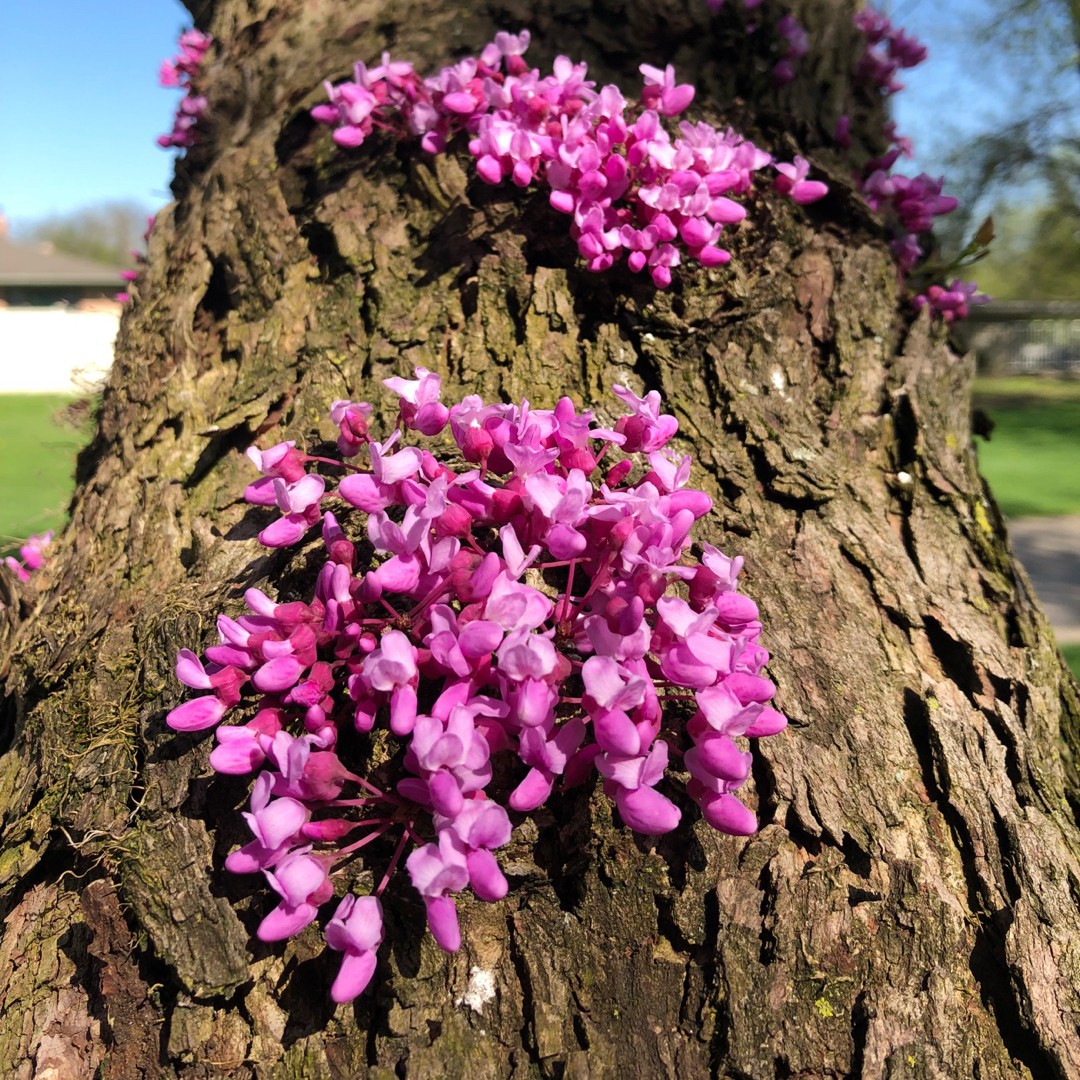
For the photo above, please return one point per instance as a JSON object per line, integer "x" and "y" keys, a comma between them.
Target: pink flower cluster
{"x": 909, "y": 204}
{"x": 888, "y": 50}
{"x": 31, "y": 556}
{"x": 798, "y": 45}
{"x": 629, "y": 186}
{"x": 534, "y": 606}
{"x": 182, "y": 71}
{"x": 953, "y": 302}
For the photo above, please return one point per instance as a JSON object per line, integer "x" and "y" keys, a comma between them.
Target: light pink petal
{"x": 364, "y": 492}
{"x": 603, "y": 679}
{"x": 725, "y": 211}
{"x": 750, "y": 688}
{"x": 307, "y": 491}
{"x": 284, "y": 532}
{"x": 277, "y": 674}
{"x": 400, "y": 466}
{"x": 486, "y": 878}
{"x": 479, "y": 638}
{"x": 443, "y": 922}
{"x": 284, "y": 921}
{"x": 445, "y": 794}
{"x": 726, "y": 814}
{"x": 768, "y": 722}
{"x": 675, "y": 100}
{"x": 190, "y": 672}
{"x": 197, "y": 714}
{"x": 403, "y": 710}
{"x": 348, "y": 136}
{"x": 353, "y": 977}
{"x": 261, "y": 492}
{"x": 399, "y": 574}
{"x": 230, "y": 656}
{"x": 723, "y": 758}
{"x": 236, "y": 756}
{"x": 280, "y": 821}
{"x": 298, "y": 878}
{"x": 363, "y": 924}
{"x": 532, "y": 792}
{"x": 646, "y": 811}
{"x": 463, "y": 104}
{"x": 615, "y": 733}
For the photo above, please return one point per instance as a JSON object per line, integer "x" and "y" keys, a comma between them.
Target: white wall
{"x": 54, "y": 350}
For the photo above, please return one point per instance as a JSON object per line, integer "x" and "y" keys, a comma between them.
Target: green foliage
{"x": 40, "y": 435}
{"x": 106, "y": 232}
{"x": 1072, "y": 657}
{"x": 1032, "y": 456}
{"x": 1027, "y": 130}
{"x": 1034, "y": 254}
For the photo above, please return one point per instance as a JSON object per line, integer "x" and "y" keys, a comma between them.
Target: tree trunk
{"x": 909, "y": 905}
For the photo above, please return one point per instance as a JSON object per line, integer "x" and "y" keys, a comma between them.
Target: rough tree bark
{"x": 908, "y": 908}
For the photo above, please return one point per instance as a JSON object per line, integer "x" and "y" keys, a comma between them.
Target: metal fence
{"x": 1024, "y": 337}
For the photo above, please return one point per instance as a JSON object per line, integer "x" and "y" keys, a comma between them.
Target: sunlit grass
{"x": 1072, "y": 657}
{"x": 38, "y": 444}
{"x": 1032, "y": 459}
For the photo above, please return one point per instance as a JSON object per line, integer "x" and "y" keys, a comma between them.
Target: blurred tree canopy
{"x": 1034, "y": 255}
{"x": 1022, "y": 166}
{"x": 1035, "y": 135}
{"x": 106, "y": 231}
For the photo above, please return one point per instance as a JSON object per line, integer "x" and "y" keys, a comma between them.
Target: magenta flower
{"x": 356, "y": 929}
{"x": 301, "y": 882}
{"x": 661, "y": 91}
{"x": 351, "y": 418}
{"x": 537, "y": 608}
{"x": 31, "y": 556}
{"x": 182, "y": 71}
{"x": 421, "y": 409}
{"x": 437, "y": 870}
{"x": 628, "y": 185}
{"x": 792, "y": 181}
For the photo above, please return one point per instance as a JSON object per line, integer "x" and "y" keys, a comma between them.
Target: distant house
{"x": 58, "y": 319}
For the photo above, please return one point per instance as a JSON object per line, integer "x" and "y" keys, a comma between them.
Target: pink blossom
{"x": 627, "y": 184}
{"x": 792, "y": 181}
{"x": 301, "y": 882}
{"x": 533, "y": 612}
{"x": 356, "y": 929}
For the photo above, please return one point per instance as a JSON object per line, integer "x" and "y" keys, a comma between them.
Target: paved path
{"x": 1049, "y": 548}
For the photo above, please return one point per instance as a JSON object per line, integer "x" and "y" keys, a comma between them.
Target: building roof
{"x": 41, "y": 264}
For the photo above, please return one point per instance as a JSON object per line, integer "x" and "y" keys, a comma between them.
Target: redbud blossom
{"x": 540, "y": 629}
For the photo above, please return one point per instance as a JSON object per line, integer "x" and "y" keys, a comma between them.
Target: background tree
{"x": 908, "y": 907}
{"x": 1034, "y": 254}
{"x": 1004, "y": 126}
{"x": 107, "y": 231}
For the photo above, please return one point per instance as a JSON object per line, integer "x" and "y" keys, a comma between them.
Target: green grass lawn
{"x": 37, "y": 464}
{"x": 1072, "y": 657}
{"x": 1033, "y": 457}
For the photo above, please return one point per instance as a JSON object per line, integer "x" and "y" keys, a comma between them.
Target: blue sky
{"x": 961, "y": 88}
{"x": 79, "y": 102}
{"x": 80, "y": 107}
